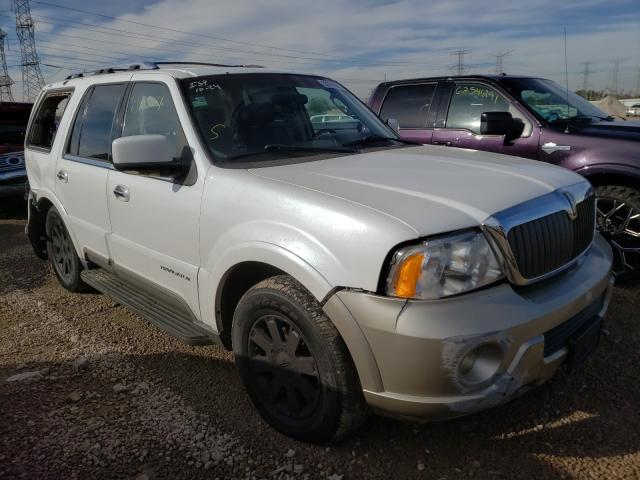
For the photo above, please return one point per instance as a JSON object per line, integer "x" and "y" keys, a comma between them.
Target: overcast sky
{"x": 358, "y": 42}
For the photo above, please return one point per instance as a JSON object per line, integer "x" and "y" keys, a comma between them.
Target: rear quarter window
{"x": 47, "y": 120}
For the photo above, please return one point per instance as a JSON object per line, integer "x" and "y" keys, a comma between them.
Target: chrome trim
{"x": 551, "y": 147}
{"x": 497, "y": 226}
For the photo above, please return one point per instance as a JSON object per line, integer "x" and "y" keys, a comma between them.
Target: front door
{"x": 154, "y": 217}
{"x": 469, "y": 99}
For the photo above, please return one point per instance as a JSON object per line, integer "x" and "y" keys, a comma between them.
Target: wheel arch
{"x": 250, "y": 269}
{"x": 602, "y": 175}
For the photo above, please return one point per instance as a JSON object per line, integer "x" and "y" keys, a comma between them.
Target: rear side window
{"x": 45, "y": 124}
{"x": 93, "y": 128}
{"x": 409, "y": 104}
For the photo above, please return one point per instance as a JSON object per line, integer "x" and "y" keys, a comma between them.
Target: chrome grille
{"x": 546, "y": 244}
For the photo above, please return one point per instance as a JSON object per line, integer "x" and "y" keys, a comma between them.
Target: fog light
{"x": 480, "y": 364}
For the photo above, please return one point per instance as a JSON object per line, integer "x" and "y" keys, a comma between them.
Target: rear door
{"x": 458, "y": 122}
{"x": 155, "y": 225}
{"x": 81, "y": 170}
{"x": 412, "y": 106}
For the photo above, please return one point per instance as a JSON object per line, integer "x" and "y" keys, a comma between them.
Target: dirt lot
{"x": 96, "y": 392}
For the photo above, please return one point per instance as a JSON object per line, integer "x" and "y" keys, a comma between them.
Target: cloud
{"x": 357, "y": 41}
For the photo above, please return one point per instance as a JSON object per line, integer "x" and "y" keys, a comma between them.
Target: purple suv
{"x": 533, "y": 118}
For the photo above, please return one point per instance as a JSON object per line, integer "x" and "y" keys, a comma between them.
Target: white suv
{"x": 347, "y": 269}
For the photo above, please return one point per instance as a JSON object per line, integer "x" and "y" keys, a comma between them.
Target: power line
{"x": 324, "y": 57}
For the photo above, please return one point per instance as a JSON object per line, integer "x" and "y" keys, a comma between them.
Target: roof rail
{"x": 153, "y": 66}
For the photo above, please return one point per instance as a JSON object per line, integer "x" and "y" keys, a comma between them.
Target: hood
{"x": 431, "y": 189}
{"x": 614, "y": 130}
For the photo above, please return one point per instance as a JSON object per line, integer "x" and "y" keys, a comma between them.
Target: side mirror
{"x": 143, "y": 152}
{"x": 393, "y": 123}
{"x": 501, "y": 123}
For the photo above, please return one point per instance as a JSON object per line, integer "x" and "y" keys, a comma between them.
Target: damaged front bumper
{"x": 446, "y": 358}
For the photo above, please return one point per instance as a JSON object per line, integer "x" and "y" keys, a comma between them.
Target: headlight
{"x": 443, "y": 266}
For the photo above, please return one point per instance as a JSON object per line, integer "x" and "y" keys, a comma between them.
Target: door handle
{"x": 446, "y": 144}
{"x": 62, "y": 176}
{"x": 121, "y": 193}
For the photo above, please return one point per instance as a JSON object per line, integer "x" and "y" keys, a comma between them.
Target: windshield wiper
{"x": 277, "y": 147}
{"x": 584, "y": 117}
{"x": 378, "y": 138}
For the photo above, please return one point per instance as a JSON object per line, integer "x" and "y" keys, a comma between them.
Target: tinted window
{"x": 94, "y": 138}
{"x": 45, "y": 124}
{"x": 409, "y": 104}
{"x": 150, "y": 110}
{"x": 470, "y": 100}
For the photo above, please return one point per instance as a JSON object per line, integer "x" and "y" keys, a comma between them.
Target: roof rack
{"x": 153, "y": 66}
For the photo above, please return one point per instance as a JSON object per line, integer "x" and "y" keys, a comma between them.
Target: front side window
{"x": 470, "y": 100}
{"x": 93, "y": 129}
{"x": 45, "y": 124}
{"x": 409, "y": 104}
{"x": 275, "y": 116}
{"x": 150, "y": 110}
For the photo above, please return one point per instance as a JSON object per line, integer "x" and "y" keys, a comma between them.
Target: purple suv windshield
{"x": 550, "y": 101}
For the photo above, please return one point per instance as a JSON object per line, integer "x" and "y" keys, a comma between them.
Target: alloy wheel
{"x": 284, "y": 367}
{"x": 62, "y": 251}
{"x": 619, "y": 223}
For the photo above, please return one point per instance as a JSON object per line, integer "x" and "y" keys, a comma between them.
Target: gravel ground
{"x": 89, "y": 390}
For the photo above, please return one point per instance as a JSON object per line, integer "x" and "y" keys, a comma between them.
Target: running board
{"x": 177, "y": 322}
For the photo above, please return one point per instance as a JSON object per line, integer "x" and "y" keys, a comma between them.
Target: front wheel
{"x": 618, "y": 220}
{"x": 294, "y": 364}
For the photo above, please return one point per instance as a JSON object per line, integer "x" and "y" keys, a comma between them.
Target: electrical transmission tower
{"x": 499, "y": 60}
{"x": 32, "y": 80}
{"x": 616, "y": 74}
{"x": 5, "y": 79}
{"x": 585, "y": 77}
{"x": 460, "y": 68}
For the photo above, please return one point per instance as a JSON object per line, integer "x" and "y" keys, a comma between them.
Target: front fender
{"x": 626, "y": 170}
{"x": 285, "y": 260}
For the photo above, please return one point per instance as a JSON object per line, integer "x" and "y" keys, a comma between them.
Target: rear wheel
{"x": 618, "y": 220}
{"x": 294, "y": 364}
{"x": 62, "y": 253}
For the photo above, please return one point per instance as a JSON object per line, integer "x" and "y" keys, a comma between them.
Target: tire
{"x": 62, "y": 253}
{"x": 618, "y": 220}
{"x": 294, "y": 364}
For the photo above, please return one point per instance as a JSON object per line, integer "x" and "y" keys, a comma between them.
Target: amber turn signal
{"x": 408, "y": 276}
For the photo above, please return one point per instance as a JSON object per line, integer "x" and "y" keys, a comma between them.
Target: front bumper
{"x": 418, "y": 346}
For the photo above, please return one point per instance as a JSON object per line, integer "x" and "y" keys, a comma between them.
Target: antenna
{"x": 32, "y": 80}
{"x": 566, "y": 76}
{"x": 5, "y": 79}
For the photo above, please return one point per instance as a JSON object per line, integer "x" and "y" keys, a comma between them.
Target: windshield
{"x": 548, "y": 100}
{"x": 272, "y": 116}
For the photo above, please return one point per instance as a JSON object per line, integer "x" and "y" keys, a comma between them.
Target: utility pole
{"x": 460, "y": 66}
{"x": 638, "y": 84}
{"x": 32, "y": 80}
{"x": 585, "y": 78}
{"x": 5, "y": 79}
{"x": 616, "y": 73}
{"x": 499, "y": 60}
